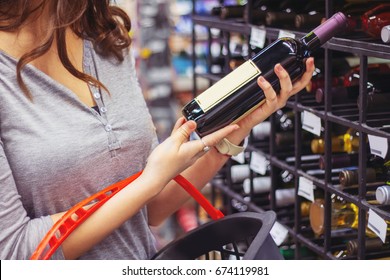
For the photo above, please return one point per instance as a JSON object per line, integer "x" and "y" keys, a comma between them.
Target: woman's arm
{"x": 205, "y": 168}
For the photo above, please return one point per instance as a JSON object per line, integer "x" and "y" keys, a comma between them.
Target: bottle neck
{"x": 311, "y": 42}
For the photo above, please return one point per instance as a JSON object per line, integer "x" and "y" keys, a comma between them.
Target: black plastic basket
{"x": 240, "y": 236}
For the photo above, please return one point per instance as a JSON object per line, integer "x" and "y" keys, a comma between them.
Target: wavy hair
{"x": 105, "y": 25}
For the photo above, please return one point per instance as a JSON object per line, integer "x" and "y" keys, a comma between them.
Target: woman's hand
{"x": 177, "y": 153}
{"x": 276, "y": 101}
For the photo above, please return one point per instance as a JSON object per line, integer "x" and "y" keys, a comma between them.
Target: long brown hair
{"x": 105, "y": 25}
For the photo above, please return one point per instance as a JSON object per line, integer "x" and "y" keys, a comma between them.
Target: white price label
{"x": 311, "y": 123}
{"x": 378, "y": 145}
{"x": 306, "y": 188}
{"x": 284, "y": 33}
{"x": 258, "y": 37}
{"x": 377, "y": 225}
{"x": 258, "y": 163}
{"x": 278, "y": 233}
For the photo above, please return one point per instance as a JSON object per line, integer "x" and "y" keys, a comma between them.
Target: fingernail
{"x": 279, "y": 68}
{"x": 262, "y": 80}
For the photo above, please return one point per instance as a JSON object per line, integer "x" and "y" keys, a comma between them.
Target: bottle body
{"x": 238, "y": 94}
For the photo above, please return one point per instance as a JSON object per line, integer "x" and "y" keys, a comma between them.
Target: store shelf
{"x": 347, "y": 115}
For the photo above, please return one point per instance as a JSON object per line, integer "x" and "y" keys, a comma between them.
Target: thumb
{"x": 184, "y": 131}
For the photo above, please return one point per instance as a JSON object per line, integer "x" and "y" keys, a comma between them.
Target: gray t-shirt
{"x": 56, "y": 151}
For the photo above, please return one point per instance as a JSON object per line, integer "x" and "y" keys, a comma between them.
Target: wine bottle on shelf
{"x": 352, "y": 159}
{"x": 343, "y": 215}
{"x": 314, "y": 13}
{"x": 228, "y": 11}
{"x": 377, "y": 174}
{"x": 340, "y": 160}
{"x": 239, "y": 172}
{"x": 372, "y": 21}
{"x": 238, "y": 93}
{"x": 382, "y": 195}
{"x": 259, "y": 11}
{"x": 348, "y": 143}
{"x": 262, "y": 130}
{"x": 371, "y": 245}
{"x": 378, "y": 76}
{"x": 385, "y": 34}
{"x": 288, "y": 10}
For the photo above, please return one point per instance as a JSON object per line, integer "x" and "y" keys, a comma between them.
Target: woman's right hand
{"x": 177, "y": 153}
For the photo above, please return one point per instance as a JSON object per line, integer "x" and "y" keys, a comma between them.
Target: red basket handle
{"x": 77, "y": 214}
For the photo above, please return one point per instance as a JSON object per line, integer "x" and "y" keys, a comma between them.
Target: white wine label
{"x": 259, "y": 163}
{"x": 258, "y": 37}
{"x": 311, "y": 123}
{"x": 228, "y": 85}
{"x": 378, "y": 145}
{"x": 377, "y": 224}
{"x": 279, "y": 233}
{"x": 306, "y": 188}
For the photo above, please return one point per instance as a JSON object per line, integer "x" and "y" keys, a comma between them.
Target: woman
{"x": 73, "y": 121}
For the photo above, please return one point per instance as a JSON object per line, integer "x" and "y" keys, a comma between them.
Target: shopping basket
{"x": 239, "y": 236}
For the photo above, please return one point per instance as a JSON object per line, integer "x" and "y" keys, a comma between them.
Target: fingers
{"x": 217, "y": 136}
{"x": 284, "y": 80}
{"x": 182, "y": 131}
{"x": 271, "y": 99}
{"x": 305, "y": 79}
{"x": 178, "y": 124}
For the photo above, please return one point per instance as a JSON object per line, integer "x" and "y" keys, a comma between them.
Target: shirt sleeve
{"x": 20, "y": 235}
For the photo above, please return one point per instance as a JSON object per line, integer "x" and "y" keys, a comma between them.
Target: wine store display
{"x": 330, "y": 188}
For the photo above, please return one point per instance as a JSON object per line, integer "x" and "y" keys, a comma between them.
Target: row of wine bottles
{"x": 370, "y": 18}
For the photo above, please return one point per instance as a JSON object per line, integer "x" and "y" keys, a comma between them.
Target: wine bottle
{"x": 370, "y": 244}
{"x": 368, "y": 18}
{"x": 378, "y": 76}
{"x": 348, "y": 142}
{"x": 340, "y": 160}
{"x": 238, "y": 93}
{"x": 285, "y": 16}
{"x": 382, "y": 194}
{"x": 385, "y": 34}
{"x": 228, "y": 11}
{"x": 262, "y": 130}
{"x": 343, "y": 215}
{"x": 259, "y": 11}
{"x": 377, "y": 174}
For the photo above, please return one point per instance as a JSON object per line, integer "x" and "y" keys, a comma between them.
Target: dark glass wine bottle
{"x": 238, "y": 93}
{"x": 378, "y": 76}
{"x": 285, "y": 16}
{"x": 368, "y": 17}
{"x": 371, "y": 245}
{"x": 259, "y": 11}
{"x": 373, "y": 174}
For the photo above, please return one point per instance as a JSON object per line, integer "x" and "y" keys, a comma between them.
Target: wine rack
{"x": 331, "y": 244}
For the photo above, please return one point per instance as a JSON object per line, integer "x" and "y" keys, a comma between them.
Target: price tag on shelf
{"x": 258, "y": 37}
{"x": 259, "y": 163}
{"x": 377, "y": 225}
{"x": 378, "y": 145}
{"x": 284, "y": 33}
{"x": 278, "y": 233}
{"x": 311, "y": 123}
{"x": 306, "y": 188}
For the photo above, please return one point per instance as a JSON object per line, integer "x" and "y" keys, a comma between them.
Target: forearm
{"x": 108, "y": 217}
